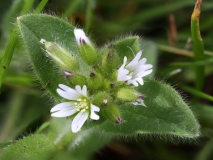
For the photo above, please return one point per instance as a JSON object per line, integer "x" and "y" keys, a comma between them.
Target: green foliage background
{"x": 164, "y": 26}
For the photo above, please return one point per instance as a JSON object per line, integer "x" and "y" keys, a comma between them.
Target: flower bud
{"x": 86, "y": 49}
{"x": 94, "y": 81}
{"x": 68, "y": 74}
{"x": 114, "y": 75}
{"x": 127, "y": 94}
{"x": 107, "y": 85}
{"x": 110, "y": 61}
{"x": 112, "y": 112}
{"x": 61, "y": 56}
{"x": 102, "y": 99}
{"x": 78, "y": 79}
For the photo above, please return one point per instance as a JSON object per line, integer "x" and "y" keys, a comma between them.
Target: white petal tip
{"x": 42, "y": 41}
{"x": 75, "y": 131}
{"x": 140, "y": 52}
{"x": 78, "y": 30}
{"x": 78, "y": 121}
{"x": 61, "y": 85}
{"x": 94, "y": 117}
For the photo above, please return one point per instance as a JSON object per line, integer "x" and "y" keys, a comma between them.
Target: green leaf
{"x": 166, "y": 114}
{"x": 87, "y": 143}
{"x": 36, "y": 26}
{"x": 33, "y": 147}
{"x": 75, "y": 146}
{"x": 127, "y": 47}
{"x": 33, "y": 27}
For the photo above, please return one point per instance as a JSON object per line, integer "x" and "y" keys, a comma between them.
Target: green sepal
{"x": 111, "y": 112}
{"x": 61, "y": 56}
{"x": 128, "y": 47}
{"x": 110, "y": 61}
{"x": 78, "y": 79}
{"x": 89, "y": 54}
{"x": 114, "y": 75}
{"x": 102, "y": 99}
{"x": 108, "y": 85}
{"x": 94, "y": 81}
{"x": 127, "y": 94}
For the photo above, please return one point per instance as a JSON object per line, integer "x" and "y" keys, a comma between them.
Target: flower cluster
{"x": 107, "y": 84}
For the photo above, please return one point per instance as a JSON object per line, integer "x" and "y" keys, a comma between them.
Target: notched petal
{"x": 78, "y": 121}
{"x": 94, "y": 109}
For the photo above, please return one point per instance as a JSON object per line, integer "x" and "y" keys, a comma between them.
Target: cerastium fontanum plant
{"x": 106, "y": 90}
{"x": 102, "y": 88}
{"x": 110, "y": 82}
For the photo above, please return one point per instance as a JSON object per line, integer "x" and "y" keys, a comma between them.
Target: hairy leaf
{"x": 166, "y": 114}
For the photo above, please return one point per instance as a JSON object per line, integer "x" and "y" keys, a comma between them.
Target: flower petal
{"x": 84, "y": 90}
{"x": 63, "y": 109}
{"x": 94, "y": 109}
{"x": 62, "y": 106}
{"x": 144, "y": 67}
{"x": 81, "y": 92}
{"x": 69, "y": 90}
{"x": 66, "y": 95}
{"x": 135, "y": 60}
{"x": 132, "y": 81}
{"x": 78, "y": 121}
{"x": 138, "y": 65}
{"x": 123, "y": 73}
{"x": 144, "y": 73}
{"x": 140, "y": 80}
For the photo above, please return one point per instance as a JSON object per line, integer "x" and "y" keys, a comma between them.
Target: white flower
{"x": 81, "y": 37}
{"x": 134, "y": 72}
{"x": 78, "y": 104}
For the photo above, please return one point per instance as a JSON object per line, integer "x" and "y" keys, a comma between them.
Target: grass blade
{"x": 197, "y": 93}
{"x": 13, "y": 40}
{"x": 197, "y": 45}
{"x": 41, "y": 6}
{"x": 8, "y": 54}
